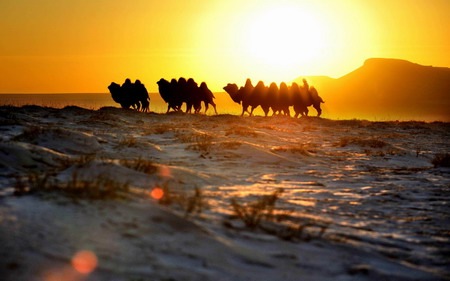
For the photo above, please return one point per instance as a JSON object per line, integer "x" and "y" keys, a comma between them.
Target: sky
{"x": 81, "y": 46}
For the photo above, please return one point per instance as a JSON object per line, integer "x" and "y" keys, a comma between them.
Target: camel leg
{"x": 215, "y": 109}
{"x": 251, "y": 111}
{"x": 319, "y": 110}
{"x": 244, "y": 109}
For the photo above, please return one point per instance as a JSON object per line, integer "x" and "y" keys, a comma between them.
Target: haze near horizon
{"x": 67, "y": 46}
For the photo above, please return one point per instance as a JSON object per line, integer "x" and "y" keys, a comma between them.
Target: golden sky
{"x": 80, "y": 46}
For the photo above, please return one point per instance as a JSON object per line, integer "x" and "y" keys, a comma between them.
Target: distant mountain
{"x": 318, "y": 81}
{"x": 387, "y": 89}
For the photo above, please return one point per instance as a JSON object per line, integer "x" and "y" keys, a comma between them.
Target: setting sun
{"x": 224, "y": 140}
{"x": 47, "y": 49}
{"x": 285, "y": 36}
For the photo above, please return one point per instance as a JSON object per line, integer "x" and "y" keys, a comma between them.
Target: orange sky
{"x": 81, "y": 46}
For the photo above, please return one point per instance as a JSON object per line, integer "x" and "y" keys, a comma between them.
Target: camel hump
{"x": 315, "y": 95}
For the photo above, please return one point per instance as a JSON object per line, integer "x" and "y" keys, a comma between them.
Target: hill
{"x": 387, "y": 89}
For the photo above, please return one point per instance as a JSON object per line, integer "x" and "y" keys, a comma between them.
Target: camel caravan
{"x": 128, "y": 95}
{"x": 175, "y": 93}
{"x": 178, "y": 92}
{"x": 279, "y": 99}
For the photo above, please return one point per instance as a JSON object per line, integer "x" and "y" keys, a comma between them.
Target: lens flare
{"x": 164, "y": 172}
{"x": 157, "y": 193}
{"x": 84, "y": 262}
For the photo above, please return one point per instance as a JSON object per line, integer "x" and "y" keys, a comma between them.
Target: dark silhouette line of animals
{"x": 132, "y": 95}
{"x": 279, "y": 99}
{"x": 175, "y": 93}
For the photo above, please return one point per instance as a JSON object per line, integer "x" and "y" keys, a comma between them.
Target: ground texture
{"x": 249, "y": 198}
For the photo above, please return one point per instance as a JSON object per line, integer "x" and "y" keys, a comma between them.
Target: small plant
{"x": 301, "y": 232}
{"x": 251, "y": 214}
{"x": 30, "y": 133}
{"x": 127, "y": 142}
{"x": 418, "y": 150}
{"x": 230, "y": 145}
{"x": 19, "y": 187}
{"x": 262, "y": 214}
{"x": 202, "y": 142}
{"x": 140, "y": 165}
{"x": 33, "y": 182}
{"x": 241, "y": 131}
{"x": 80, "y": 161}
{"x": 295, "y": 149}
{"x": 158, "y": 130}
{"x": 195, "y": 203}
{"x": 373, "y": 143}
{"x": 100, "y": 188}
{"x": 441, "y": 160}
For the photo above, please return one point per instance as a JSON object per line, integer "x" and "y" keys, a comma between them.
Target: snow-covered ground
{"x": 361, "y": 200}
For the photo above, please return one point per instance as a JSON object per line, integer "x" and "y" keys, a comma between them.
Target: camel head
{"x": 162, "y": 82}
{"x": 232, "y": 90}
{"x": 115, "y": 91}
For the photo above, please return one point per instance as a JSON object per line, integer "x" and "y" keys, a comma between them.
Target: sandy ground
{"x": 362, "y": 200}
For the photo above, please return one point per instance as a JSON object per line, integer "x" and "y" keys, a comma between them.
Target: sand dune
{"x": 362, "y": 200}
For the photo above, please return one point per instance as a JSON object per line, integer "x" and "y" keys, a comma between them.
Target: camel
{"x": 130, "y": 95}
{"x": 207, "y": 97}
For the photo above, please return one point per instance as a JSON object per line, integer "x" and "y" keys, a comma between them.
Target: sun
{"x": 285, "y": 36}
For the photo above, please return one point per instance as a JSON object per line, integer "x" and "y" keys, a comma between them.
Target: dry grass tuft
{"x": 382, "y": 153}
{"x": 301, "y": 149}
{"x": 251, "y": 214}
{"x": 75, "y": 188}
{"x": 188, "y": 203}
{"x": 230, "y": 145}
{"x": 127, "y": 142}
{"x": 363, "y": 142}
{"x": 241, "y": 131}
{"x": 140, "y": 165}
{"x": 79, "y": 161}
{"x": 30, "y": 133}
{"x": 158, "y": 129}
{"x": 199, "y": 141}
{"x": 263, "y": 215}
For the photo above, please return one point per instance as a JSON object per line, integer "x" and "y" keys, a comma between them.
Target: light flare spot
{"x": 157, "y": 193}
{"x": 84, "y": 262}
{"x": 164, "y": 172}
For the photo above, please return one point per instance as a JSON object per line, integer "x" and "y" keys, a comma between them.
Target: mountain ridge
{"x": 386, "y": 87}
